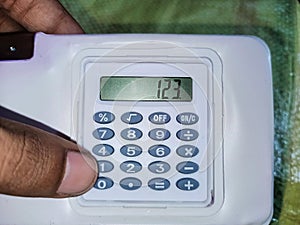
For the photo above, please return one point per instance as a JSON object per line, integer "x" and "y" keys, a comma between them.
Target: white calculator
{"x": 181, "y": 126}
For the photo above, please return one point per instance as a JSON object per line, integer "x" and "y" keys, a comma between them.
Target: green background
{"x": 275, "y": 21}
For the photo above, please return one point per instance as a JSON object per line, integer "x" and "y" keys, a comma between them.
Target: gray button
{"x": 159, "y": 134}
{"x": 131, "y": 150}
{"x": 187, "y": 134}
{"x": 187, "y": 184}
{"x": 105, "y": 166}
{"x": 159, "y": 150}
{"x": 187, "y": 151}
{"x": 187, "y": 167}
{"x": 103, "y": 183}
{"x": 187, "y": 118}
{"x": 103, "y": 150}
{"x": 131, "y": 134}
{"x": 159, "y": 184}
{"x": 159, "y": 118}
{"x": 103, "y": 133}
{"x": 131, "y": 117}
{"x": 131, "y": 167}
{"x": 159, "y": 167}
{"x": 104, "y": 117}
{"x": 130, "y": 183}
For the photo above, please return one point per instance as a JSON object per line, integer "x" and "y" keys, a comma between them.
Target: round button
{"x": 187, "y": 134}
{"x": 159, "y": 150}
{"x": 130, "y": 183}
{"x": 159, "y": 184}
{"x": 132, "y": 117}
{"x": 187, "y": 118}
{"x": 131, "y": 167}
{"x": 103, "y": 183}
{"x": 187, "y": 151}
{"x": 159, "y": 118}
{"x": 103, "y": 133}
{"x": 159, "y": 134}
{"x": 131, "y": 150}
{"x": 187, "y": 184}
{"x": 104, "y": 117}
{"x": 103, "y": 150}
{"x": 105, "y": 166}
{"x": 131, "y": 134}
{"x": 187, "y": 167}
{"x": 159, "y": 167}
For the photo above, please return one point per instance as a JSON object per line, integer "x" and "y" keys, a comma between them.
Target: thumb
{"x": 34, "y": 163}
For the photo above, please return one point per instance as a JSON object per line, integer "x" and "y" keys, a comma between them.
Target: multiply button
{"x": 187, "y": 134}
{"x": 159, "y": 118}
{"x": 187, "y": 151}
{"x": 131, "y": 117}
{"x": 187, "y": 184}
{"x": 187, "y": 118}
{"x": 130, "y": 183}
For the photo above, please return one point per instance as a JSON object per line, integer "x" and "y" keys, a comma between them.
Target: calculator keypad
{"x": 158, "y": 167}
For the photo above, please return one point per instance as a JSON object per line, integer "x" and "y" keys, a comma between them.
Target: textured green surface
{"x": 275, "y": 21}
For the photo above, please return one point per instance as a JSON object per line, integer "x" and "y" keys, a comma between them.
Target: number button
{"x": 187, "y": 134}
{"x": 105, "y": 166}
{"x": 159, "y": 150}
{"x": 187, "y": 118}
{"x": 130, "y": 183}
{"x": 187, "y": 184}
{"x": 187, "y": 151}
{"x": 103, "y": 133}
{"x": 104, "y": 117}
{"x": 187, "y": 167}
{"x": 103, "y": 183}
{"x": 159, "y": 167}
{"x": 131, "y": 134}
{"x": 159, "y": 184}
{"x": 131, "y": 167}
{"x": 131, "y": 150}
{"x": 159, "y": 134}
{"x": 159, "y": 118}
{"x": 103, "y": 150}
{"x": 131, "y": 117}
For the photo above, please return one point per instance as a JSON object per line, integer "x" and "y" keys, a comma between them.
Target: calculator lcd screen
{"x": 125, "y": 88}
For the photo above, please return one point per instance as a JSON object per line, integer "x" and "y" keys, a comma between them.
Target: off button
{"x": 159, "y": 118}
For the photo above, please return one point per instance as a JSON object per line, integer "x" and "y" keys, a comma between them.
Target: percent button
{"x": 104, "y": 117}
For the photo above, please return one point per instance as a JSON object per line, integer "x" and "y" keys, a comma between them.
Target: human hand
{"x": 33, "y": 162}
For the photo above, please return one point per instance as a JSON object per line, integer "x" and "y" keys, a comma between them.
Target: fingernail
{"x": 80, "y": 174}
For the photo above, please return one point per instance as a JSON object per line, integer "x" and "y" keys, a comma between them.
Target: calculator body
{"x": 181, "y": 126}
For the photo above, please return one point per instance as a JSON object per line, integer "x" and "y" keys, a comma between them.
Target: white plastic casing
{"x": 53, "y": 88}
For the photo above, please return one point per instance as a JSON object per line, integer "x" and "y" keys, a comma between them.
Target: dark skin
{"x": 33, "y": 162}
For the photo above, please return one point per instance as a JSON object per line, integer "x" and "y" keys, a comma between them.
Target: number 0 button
{"x": 103, "y": 183}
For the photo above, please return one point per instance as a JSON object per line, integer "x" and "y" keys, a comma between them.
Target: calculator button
{"x": 159, "y": 184}
{"x": 105, "y": 166}
{"x": 131, "y": 150}
{"x": 131, "y": 167}
{"x": 159, "y": 118}
{"x": 104, "y": 117}
{"x": 103, "y": 133}
{"x": 103, "y": 183}
{"x": 187, "y": 118}
{"x": 159, "y": 134}
{"x": 187, "y": 134}
{"x": 159, "y": 150}
{"x": 130, "y": 183}
{"x": 187, "y": 167}
{"x": 103, "y": 150}
{"x": 187, "y": 151}
{"x": 159, "y": 167}
{"x": 132, "y": 117}
{"x": 187, "y": 184}
{"x": 131, "y": 134}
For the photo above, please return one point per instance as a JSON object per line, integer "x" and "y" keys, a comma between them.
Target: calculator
{"x": 181, "y": 125}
